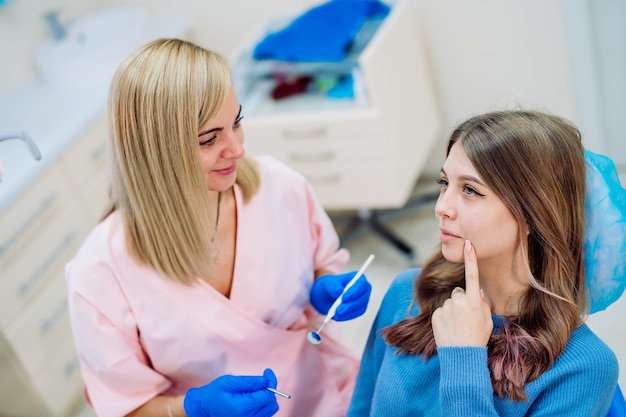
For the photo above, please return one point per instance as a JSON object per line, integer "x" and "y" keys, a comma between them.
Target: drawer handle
{"x": 318, "y": 157}
{"x": 97, "y": 152}
{"x": 70, "y": 367}
{"x": 43, "y": 207}
{"x": 324, "y": 179}
{"x": 49, "y": 261}
{"x": 54, "y": 318}
{"x": 305, "y": 134}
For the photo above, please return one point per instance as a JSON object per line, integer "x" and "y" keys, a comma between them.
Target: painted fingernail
{"x": 468, "y": 245}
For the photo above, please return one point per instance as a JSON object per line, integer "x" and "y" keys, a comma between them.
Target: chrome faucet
{"x": 30, "y": 143}
{"x": 59, "y": 30}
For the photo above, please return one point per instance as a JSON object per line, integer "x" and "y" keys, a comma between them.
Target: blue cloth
{"x": 456, "y": 381}
{"x": 343, "y": 89}
{"x": 605, "y": 232}
{"x": 322, "y": 34}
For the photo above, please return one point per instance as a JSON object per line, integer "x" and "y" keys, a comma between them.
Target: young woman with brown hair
{"x": 493, "y": 322}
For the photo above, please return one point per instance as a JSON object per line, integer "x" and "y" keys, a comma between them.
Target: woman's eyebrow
{"x": 215, "y": 129}
{"x": 469, "y": 178}
{"x": 219, "y": 129}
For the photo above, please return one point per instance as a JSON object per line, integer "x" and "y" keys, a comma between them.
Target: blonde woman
{"x": 492, "y": 325}
{"x": 194, "y": 295}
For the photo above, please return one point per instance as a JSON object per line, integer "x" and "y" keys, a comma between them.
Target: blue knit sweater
{"x": 456, "y": 381}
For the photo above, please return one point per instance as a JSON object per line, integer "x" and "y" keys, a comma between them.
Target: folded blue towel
{"x": 322, "y": 34}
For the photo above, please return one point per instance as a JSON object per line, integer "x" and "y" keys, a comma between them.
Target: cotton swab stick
{"x": 275, "y": 391}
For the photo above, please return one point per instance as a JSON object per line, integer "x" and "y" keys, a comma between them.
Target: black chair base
{"x": 374, "y": 220}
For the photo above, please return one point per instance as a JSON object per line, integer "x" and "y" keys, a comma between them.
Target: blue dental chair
{"x": 618, "y": 405}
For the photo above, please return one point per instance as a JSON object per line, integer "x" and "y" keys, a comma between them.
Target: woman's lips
{"x": 447, "y": 237}
{"x": 226, "y": 171}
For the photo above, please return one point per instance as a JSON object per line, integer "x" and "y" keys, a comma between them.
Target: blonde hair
{"x": 159, "y": 98}
{"x": 535, "y": 163}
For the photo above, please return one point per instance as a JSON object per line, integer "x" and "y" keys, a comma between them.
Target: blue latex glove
{"x": 327, "y": 288}
{"x": 233, "y": 396}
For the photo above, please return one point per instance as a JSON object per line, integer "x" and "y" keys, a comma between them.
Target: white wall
{"x": 597, "y": 29}
{"x": 489, "y": 54}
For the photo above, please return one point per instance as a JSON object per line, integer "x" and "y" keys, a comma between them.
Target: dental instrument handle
{"x": 275, "y": 391}
{"x": 333, "y": 307}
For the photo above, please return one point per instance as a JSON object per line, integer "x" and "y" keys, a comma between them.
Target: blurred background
{"x": 423, "y": 71}
{"x": 564, "y": 56}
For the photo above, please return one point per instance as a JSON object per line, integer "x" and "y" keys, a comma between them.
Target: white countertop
{"x": 57, "y": 116}
{"x": 54, "y": 118}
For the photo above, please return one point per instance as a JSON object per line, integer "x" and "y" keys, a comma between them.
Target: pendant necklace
{"x": 217, "y": 215}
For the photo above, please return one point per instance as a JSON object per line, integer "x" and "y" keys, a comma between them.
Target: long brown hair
{"x": 535, "y": 163}
{"x": 159, "y": 98}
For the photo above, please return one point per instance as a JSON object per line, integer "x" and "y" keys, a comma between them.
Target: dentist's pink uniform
{"x": 139, "y": 334}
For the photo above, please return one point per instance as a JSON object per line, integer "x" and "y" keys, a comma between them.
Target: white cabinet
{"x": 39, "y": 232}
{"x": 365, "y": 152}
{"x": 86, "y": 164}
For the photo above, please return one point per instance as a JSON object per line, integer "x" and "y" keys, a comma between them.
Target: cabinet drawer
{"x": 94, "y": 195}
{"x": 88, "y": 154}
{"x": 314, "y": 125}
{"x": 364, "y": 185}
{"x": 60, "y": 384}
{"x": 31, "y": 210}
{"x": 42, "y": 327}
{"x": 26, "y": 272}
{"x": 339, "y": 149}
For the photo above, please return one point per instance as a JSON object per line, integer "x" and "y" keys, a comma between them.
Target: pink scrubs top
{"x": 139, "y": 334}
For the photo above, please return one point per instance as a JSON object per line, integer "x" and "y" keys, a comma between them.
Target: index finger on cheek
{"x": 472, "y": 282}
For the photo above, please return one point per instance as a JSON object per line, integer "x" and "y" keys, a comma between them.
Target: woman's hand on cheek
{"x": 465, "y": 318}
